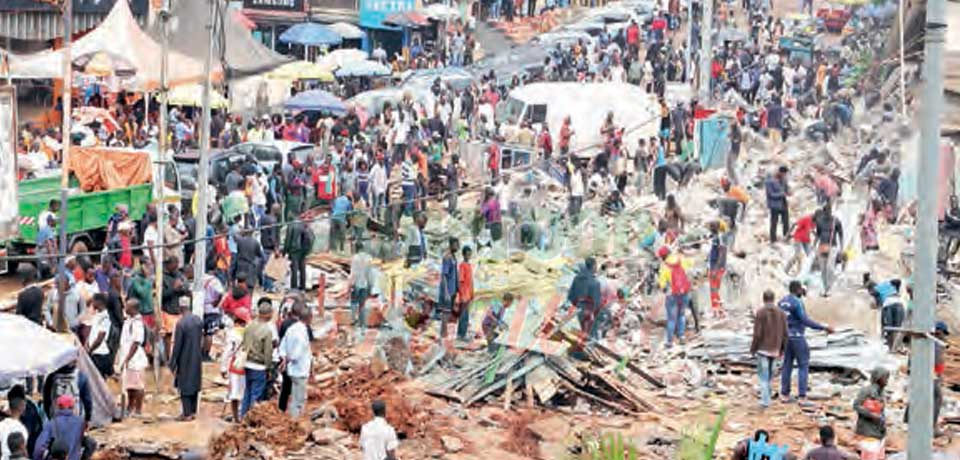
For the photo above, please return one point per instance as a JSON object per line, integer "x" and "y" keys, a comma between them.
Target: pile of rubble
{"x": 265, "y": 433}
{"x": 350, "y": 395}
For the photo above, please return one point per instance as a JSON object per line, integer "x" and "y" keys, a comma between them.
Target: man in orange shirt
{"x": 464, "y": 293}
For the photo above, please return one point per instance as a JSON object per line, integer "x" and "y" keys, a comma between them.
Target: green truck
{"x": 87, "y": 212}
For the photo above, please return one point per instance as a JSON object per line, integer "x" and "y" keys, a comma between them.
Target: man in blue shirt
{"x": 46, "y": 246}
{"x": 797, "y": 348}
{"x": 448, "y": 285}
{"x": 340, "y": 211}
{"x": 881, "y": 291}
{"x": 777, "y": 190}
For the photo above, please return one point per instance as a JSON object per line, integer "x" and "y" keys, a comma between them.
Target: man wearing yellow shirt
{"x": 674, "y": 281}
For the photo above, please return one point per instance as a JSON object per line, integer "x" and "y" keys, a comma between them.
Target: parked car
{"x": 270, "y": 153}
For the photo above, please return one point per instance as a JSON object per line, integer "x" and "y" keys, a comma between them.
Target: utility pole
{"x": 920, "y": 436}
{"x": 706, "y": 49}
{"x": 61, "y": 319}
{"x": 162, "y": 148}
{"x": 903, "y": 69}
{"x": 200, "y": 248}
{"x": 161, "y": 205}
{"x": 688, "y": 56}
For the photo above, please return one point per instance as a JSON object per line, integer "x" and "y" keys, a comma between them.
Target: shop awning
{"x": 269, "y": 17}
{"x": 407, "y": 19}
{"x": 40, "y": 20}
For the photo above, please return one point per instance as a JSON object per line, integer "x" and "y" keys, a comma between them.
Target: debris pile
{"x": 553, "y": 380}
{"x": 351, "y": 392}
{"x": 844, "y": 350}
{"x": 265, "y": 433}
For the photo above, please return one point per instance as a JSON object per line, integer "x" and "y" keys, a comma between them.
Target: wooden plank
{"x": 626, "y": 392}
{"x": 633, "y": 367}
{"x": 565, "y": 369}
{"x": 601, "y": 401}
{"x": 531, "y": 364}
{"x": 444, "y": 394}
{"x": 543, "y": 381}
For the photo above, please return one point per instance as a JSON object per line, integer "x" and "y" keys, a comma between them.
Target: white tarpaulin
{"x": 47, "y": 351}
{"x": 120, "y": 35}
{"x": 257, "y": 95}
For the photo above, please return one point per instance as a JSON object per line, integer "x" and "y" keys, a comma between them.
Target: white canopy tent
{"x": 120, "y": 35}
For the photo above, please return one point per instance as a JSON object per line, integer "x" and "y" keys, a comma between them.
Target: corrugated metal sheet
{"x": 36, "y": 25}
{"x": 40, "y": 25}
{"x": 139, "y": 7}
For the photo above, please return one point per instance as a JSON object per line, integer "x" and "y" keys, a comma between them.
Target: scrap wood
{"x": 633, "y": 367}
{"x": 625, "y": 391}
{"x": 543, "y": 382}
{"x": 531, "y": 364}
{"x": 565, "y": 369}
{"x": 597, "y": 399}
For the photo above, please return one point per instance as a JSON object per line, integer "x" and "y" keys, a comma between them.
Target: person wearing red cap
{"x": 66, "y": 428}
{"x": 231, "y": 362}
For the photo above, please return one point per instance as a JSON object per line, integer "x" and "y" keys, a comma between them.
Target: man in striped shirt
{"x": 408, "y": 172}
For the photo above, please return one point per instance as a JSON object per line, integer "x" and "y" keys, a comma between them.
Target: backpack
{"x": 679, "y": 283}
{"x": 67, "y": 384}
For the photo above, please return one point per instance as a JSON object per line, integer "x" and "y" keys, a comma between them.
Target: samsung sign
{"x": 284, "y": 5}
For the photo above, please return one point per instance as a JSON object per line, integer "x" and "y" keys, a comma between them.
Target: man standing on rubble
{"x": 717, "y": 264}
{"x": 673, "y": 276}
{"x": 377, "y": 438}
{"x": 829, "y": 233}
{"x": 797, "y": 348}
{"x": 777, "y": 191}
{"x": 296, "y": 358}
{"x": 769, "y": 342}
{"x": 584, "y": 294}
{"x": 257, "y": 348}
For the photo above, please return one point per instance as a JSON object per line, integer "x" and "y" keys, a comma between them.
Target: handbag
{"x": 277, "y": 267}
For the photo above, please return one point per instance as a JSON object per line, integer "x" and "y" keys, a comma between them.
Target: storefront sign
{"x": 282, "y": 5}
{"x": 8, "y": 162}
{"x": 373, "y": 12}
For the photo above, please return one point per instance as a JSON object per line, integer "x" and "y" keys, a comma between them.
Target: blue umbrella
{"x": 362, "y": 69}
{"x": 316, "y": 100}
{"x": 311, "y": 34}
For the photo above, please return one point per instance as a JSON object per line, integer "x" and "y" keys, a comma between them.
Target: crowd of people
{"x": 391, "y": 166}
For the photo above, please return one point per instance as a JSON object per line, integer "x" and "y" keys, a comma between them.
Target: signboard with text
{"x": 373, "y": 12}
{"x": 279, "y": 5}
